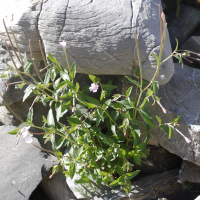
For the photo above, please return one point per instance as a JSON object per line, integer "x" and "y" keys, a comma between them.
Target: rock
{"x": 159, "y": 160}
{"x": 23, "y": 166}
{"x": 194, "y": 3}
{"x": 192, "y": 44}
{"x": 149, "y": 187}
{"x": 22, "y": 109}
{"x": 189, "y": 172}
{"x": 181, "y": 27}
{"x": 99, "y": 35}
{"x": 198, "y": 198}
{"x": 56, "y": 188}
{"x": 176, "y": 97}
{"x": 168, "y": 5}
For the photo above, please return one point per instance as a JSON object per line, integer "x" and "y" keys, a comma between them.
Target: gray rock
{"x": 189, "y": 172}
{"x": 99, "y": 35}
{"x": 23, "y": 166}
{"x": 192, "y": 44}
{"x": 148, "y": 187}
{"x": 158, "y": 160}
{"x": 176, "y": 96}
{"x": 180, "y": 97}
{"x": 56, "y": 187}
{"x": 168, "y": 5}
{"x": 181, "y": 27}
{"x": 194, "y": 3}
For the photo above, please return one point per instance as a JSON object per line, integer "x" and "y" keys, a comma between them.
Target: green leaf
{"x": 120, "y": 171}
{"x": 137, "y": 159}
{"x": 28, "y": 91}
{"x": 149, "y": 92}
{"x": 131, "y": 175}
{"x": 61, "y": 142}
{"x": 134, "y": 82}
{"x": 51, "y": 59}
{"x": 165, "y": 128}
{"x": 155, "y": 56}
{"x": 159, "y": 120}
{"x": 103, "y": 173}
{"x": 73, "y": 121}
{"x": 92, "y": 100}
{"x": 72, "y": 73}
{"x": 128, "y": 92}
{"x": 142, "y": 145}
{"x": 144, "y": 103}
{"x": 58, "y": 107}
{"x": 53, "y": 75}
{"x": 147, "y": 117}
{"x": 72, "y": 170}
{"x": 155, "y": 87}
{"x": 171, "y": 130}
{"x": 50, "y": 118}
{"x": 14, "y": 132}
{"x": 30, "y": 115}
{"x": 109, "y": 87}
{"x": 113, "y": 129}
{"x": 94, "y": 79}
{"x": 64, "y": 75}
{"x": 121, "y": 152}
{"x": 47, "y": 77}
{"x": 27, "y": 65}
{"x": 115, "y": 183}
{"x": 105, "y": 139}
{"x": 176, "y": 119}
{"x": 176, "y": 45}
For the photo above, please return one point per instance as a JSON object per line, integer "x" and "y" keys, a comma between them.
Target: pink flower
{"x": 29, "y": 140}
{"x": 24, "y": 131}
{"x": 94, "y": 87}
{"x": 63, "y": 44}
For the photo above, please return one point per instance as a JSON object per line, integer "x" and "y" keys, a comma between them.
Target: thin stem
{"x": 17, "y": 46}
{"x": 15, "y": 64}
{"x": 43, "y": 149}
{"x": 36, "y": 69}
{"x": 139, "y": 60}
{"x": 11, "y": 42}
{"x": 67, "y": 59}
{"x": 70, "y": 140}
{"x": 42, "y": 52}
{"x": 161, "y": 33}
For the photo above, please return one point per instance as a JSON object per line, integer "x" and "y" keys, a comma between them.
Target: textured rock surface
{"x": 180, "y": 97}
{"x": 99, "y": 35}
{"x": 148, "y": 187}
{"x": 56, "y": 188}
{"x": 159, "y": 160}
{"x": 189, "y": 172}
{"x": 192, "y": 44}
{"x": 23, "y": 166}
{"x": 176, "y": 96}
{"x": 182, "y": 26}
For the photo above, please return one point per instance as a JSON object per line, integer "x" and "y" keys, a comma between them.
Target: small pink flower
{"x": 63, "y": 44}
{"x": 73, "y": 109}
{"x": 29, "y": 140}
{"x": 94, "y": 87}
{"x": 24, "y": 131}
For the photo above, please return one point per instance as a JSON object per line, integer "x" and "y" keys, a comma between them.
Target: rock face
{"x": 176, "y": 96}
{"x": 159, "y": 160}
{"x": 23, "y": 166}
{"x": 189, "y": 172}
{"x": 181, "y": 27}
{"x": 99, "y": 35}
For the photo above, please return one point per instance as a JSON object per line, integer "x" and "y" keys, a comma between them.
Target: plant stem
{"x": 36, "y": 69}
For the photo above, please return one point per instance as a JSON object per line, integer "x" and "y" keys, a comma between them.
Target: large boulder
{"x": 181, "y": 27}
{"x": 23, "y": 166}
{"x": 99, "y": 35}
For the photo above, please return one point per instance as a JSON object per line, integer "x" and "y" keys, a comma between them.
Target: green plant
{"x": 102, "y": 135}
